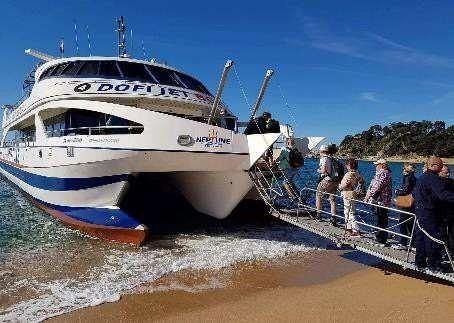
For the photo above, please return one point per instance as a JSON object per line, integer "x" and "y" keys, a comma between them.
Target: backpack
{"x": 337, "y": 170}
{"x": 295, "y": 158}
{"x": 360, "y": 189}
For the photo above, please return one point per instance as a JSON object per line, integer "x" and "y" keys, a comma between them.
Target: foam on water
{"x": 126, "y": 268}
{"x": 47, "y": 269}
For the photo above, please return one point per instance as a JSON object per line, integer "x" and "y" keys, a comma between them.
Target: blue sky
{"x": 341, "y": 65}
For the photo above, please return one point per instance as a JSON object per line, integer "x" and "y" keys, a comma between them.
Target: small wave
{"x": 123, "y": 269}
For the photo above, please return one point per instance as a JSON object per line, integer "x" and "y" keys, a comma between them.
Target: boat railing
{"x": 97, "y": 130}
{"x": 268, "y": 182}
{"x": 302, "y": 202}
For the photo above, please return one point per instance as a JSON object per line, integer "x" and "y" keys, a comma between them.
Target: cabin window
{"x": 192, "y": 83}
{"x": 135, "y": 71}
{"x": 22, "y": 133}
{"x": 109, "y": 69}
{"x": 90, "y": 68}
{"x": 71, "y": 68}
{"x": 59, "y": 69}
{"x": 85, "y": 122}
{"x": 125, "y": 70}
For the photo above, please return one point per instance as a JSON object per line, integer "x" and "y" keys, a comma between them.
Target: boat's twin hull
{"x": 89, "y": 203}
{"x": 80, "y": 179}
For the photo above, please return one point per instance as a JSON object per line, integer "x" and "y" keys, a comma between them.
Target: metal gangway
{"x": 295, "y": 208}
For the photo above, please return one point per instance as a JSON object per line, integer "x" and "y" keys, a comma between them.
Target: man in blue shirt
{"x": 430, "y": 193}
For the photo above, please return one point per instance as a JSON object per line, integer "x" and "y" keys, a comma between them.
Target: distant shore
{"x": 318, "y": 286}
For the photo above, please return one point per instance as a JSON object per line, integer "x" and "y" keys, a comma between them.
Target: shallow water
{"x": 47, "y": 269}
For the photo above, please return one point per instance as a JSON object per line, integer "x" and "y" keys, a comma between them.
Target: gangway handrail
{"x": 300, "y": 206}
{"x": 363, "y": 202}
{"x": 364, "y": 223}
{"x": 385, "y": 229}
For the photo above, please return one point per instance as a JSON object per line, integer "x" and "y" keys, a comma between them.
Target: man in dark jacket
{"x": 407, "y": 187}
{"x": 262, "y": 124}
{"x": 447, "y": 211}
{"x": 430, "y": 192}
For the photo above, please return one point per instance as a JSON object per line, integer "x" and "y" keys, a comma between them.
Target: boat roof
{"x": 101, "y": 58}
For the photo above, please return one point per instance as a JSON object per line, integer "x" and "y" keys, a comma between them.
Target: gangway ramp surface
{"x": 366, "y": 243}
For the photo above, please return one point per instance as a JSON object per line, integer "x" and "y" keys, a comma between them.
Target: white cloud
{"x": 369, "y": 96}
{"x": 368, "y": 46}
{"x": 447, "y": 97}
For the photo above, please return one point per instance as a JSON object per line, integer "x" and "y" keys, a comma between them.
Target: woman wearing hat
{"x": 327, "y": 183}
{"x": 406, "y": 188}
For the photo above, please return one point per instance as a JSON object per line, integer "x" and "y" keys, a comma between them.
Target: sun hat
{"x": 324, "y": 148}
{"x": 381, "y": 161}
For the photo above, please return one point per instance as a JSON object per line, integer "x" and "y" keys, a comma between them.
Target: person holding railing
{"x": 406, "y": 190}
{"x": 430, "y": 193}
{"x": 331, "y": 173}
{"x": 379, "y": 193}
{"x": 349, "y": 188}
{"x": 448, "y": 211}
{"x": 289, "y": 166}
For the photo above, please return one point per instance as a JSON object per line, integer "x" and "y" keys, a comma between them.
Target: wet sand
{"x": 321, "y": 286}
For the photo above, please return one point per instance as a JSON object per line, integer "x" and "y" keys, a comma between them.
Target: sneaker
{"x": 333, "y": 222}
{"x": 355, "y": 234}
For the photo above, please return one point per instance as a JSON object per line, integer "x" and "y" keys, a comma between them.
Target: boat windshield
{"x": 124, "y": 70}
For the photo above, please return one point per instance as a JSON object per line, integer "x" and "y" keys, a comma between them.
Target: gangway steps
{"x": 366, "y": 243}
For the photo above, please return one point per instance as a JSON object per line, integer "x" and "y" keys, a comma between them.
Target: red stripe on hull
{"x": 130, "y": 236}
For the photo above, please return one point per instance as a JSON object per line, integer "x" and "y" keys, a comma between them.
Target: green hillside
{"x": 421, "y": 138}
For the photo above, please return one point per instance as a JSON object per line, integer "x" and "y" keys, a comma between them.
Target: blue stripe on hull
{"x": 101, "y": 216}
{"x": 60, "y": 184}
{"x": 116, "y": 218}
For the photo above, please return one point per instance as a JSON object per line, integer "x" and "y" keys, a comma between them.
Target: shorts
{"x": 327, "y": 186}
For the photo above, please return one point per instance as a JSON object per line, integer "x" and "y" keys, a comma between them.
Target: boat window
{"x": 126, "y": 70}
{"x": 135, "y": 71}
{"x": 109, "y": 69}
{"x": 58, "y": 69}
{"x": 164, "y": 76}
{"x": 47, "y": 72}
{"x": 86, "y": 122}
{"x": 24, "y": 132}
{"x": 71, "y": 68}
{"x": 90, "y": 68}
{"x": 192, "y": 83}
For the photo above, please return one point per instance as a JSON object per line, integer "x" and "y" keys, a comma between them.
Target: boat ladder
{"x": 295, "y": 207}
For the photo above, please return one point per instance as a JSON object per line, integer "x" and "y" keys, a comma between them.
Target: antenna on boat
{"x": 121, "y": 29}
{"x": 62, "y": 47}
{"x": 143, "y": 51}
{"x": 217, "y": 98}
{"x": 89, "y": 43}
{"x": 76, "y": 38}
{"x": 265, "y": 82}
{"x": 132, "y": 43}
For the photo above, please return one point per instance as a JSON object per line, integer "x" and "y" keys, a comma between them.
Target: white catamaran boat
{"x": 90, "y": 124}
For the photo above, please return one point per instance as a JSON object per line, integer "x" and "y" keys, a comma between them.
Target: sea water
{"x": 47, "y": 269}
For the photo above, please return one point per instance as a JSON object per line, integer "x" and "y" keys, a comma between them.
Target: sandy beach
{"x": 320, "y": 286}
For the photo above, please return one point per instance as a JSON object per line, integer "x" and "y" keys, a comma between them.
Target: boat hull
{"x": 81, "y": 179}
